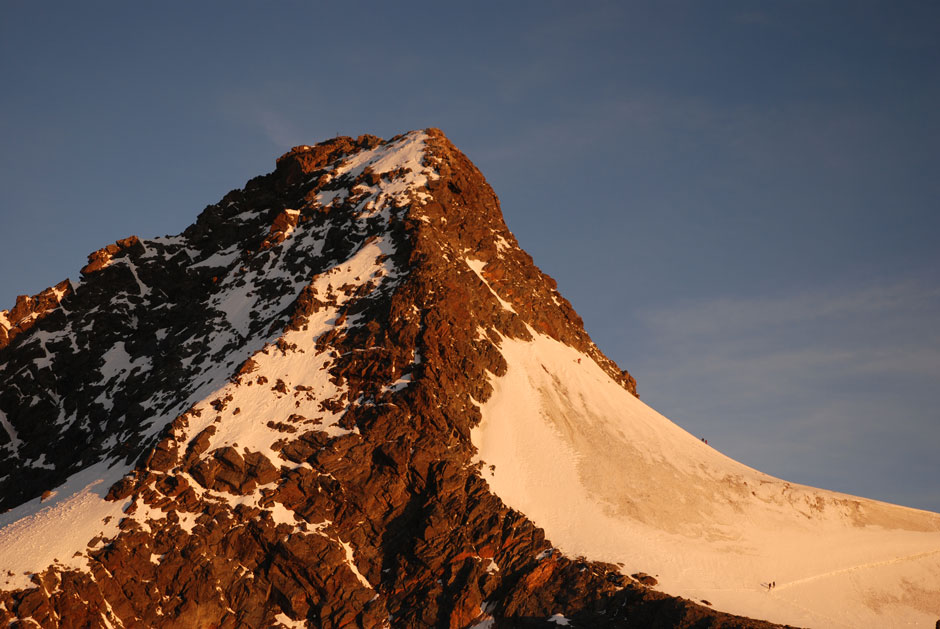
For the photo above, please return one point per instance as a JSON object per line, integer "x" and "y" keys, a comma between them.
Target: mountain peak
{"x": 346, "y": 396}
{"x": 299, "y": 370}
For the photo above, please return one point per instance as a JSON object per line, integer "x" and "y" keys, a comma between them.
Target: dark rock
{"x": 645, "y": 579}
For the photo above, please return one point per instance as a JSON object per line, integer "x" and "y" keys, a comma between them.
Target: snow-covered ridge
{"x": 399, "y": 175}
{"x": 286, "y": 387}
{"x": 250, "y": 291}
{"x": 402, "y": 154}
{"x": 611, "y": 479}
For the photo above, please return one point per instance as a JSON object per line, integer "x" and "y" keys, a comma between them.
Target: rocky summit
{"x": 265, "y": 421}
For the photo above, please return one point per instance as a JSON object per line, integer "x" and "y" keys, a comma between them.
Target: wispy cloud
{"x": 830, "y": 388}
{"x": 278, "y": 128}
{"x": 272, "y": 112}
{"x": 879, "y": 327}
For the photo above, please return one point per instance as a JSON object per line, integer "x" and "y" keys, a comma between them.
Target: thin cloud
{"x": 830, "y": 389}
{"x": 263, "y": 111}
{"x": 278, "y": 129}
{"x": 877, "y": 305}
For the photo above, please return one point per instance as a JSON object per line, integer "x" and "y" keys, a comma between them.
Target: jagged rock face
{"x": 280, "y": 401}
{"x": 28, "y": 310}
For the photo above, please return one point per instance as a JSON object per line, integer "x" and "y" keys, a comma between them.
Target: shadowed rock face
{"x": 285, "y": 392}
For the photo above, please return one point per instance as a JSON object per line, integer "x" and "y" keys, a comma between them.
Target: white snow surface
{"x": 57, "y": 530}
{"x": 351, "y": 562}
{"x": 402, "y": 155}
{"x": 610, "y": 479}
{"x": 15, "y": 441}
{"x": 286, "y": 621}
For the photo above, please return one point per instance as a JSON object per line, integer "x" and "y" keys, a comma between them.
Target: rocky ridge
{"x": 280, "y": 400}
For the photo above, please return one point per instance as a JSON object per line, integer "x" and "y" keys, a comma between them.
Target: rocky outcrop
{"x": 101, "y": 258}
{"x": 29, "y": 310}
{"x": 290, "y": 386}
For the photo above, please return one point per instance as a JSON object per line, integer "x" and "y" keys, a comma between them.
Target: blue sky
{"x": 739, "y": 198}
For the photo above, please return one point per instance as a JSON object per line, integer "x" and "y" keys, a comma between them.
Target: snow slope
{"x": 57, "y": 529}
{"x": 611, "y": 479}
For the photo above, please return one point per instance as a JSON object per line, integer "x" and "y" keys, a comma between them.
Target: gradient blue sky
{"x": 739, "y": 198}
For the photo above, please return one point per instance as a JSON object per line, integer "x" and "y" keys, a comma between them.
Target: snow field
{"x": 610, "y": 479}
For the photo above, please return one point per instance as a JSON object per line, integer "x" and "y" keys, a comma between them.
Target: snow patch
{"x": 41, "y": 463}
{"x": 350, "y": 561}
{"x": 288, "y": 622}
{"x": 15, "y": 441}
{"x": 502, "y": 244}
{"x": 59, "y": 293}
{"x": 220, "y": 258}
{"x": 282, "y": 515}
{"x": 477, "y": 267}
{"x": 142, "y": 288}
{"x": 398, "y": 385}
{"x": 117, "y": 361}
